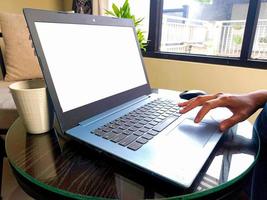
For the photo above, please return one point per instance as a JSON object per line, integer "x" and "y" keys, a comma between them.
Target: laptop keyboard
{"x": 138, "y": 127}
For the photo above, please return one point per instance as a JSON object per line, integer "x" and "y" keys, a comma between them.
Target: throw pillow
{"x": 20, "y": 61}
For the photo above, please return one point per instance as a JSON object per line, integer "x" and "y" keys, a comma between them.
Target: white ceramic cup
{"x": 33, "y": 105}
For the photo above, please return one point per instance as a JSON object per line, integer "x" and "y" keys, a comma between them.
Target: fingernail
{"x": 196, "y": 120}
{"x": 182, "y": 111}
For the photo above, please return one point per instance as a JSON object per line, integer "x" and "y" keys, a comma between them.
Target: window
{"x": 232, "y": 32}
{"x": 260, "y": 40}
{"x": 203, "y": 27}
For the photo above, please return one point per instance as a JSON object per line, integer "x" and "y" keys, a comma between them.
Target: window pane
{"x": 207, "y": 27}
{"x": 259, "y": 50}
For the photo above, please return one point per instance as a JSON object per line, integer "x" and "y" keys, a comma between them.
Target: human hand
{"x": 242, "y": 106}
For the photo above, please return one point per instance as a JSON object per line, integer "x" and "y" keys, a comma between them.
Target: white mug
{"x": 33, "y": 105}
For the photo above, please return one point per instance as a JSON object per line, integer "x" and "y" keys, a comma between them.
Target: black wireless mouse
{"x": 189, "y": 94}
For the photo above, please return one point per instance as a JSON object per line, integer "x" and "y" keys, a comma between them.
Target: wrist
{"x": 259, "y": 97}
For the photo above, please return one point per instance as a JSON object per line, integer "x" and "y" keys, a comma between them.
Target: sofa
{"x": 17, "y": 63}
{"x": 8, "y": 112}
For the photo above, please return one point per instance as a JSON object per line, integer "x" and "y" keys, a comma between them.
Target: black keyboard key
{"x": 138, "y": 133}
{"x": 117, "y": 130}
{"x": 128, "y": 140}
{"x": 152, "y": 132}
{"x": 118, "y": 138}
{"x": 142, "y": 140}
{"x": 124, "y": 127}
{"x": 129, "y": 123}
{"x": 143, "y": 122}
{"x": 109, "y": 135}
{"x": 113, "y": 125}
{"x": 118, "y": 122}
{"x": 123, "y": 119}
{"x": 157, "y": 120}
{"x": 107, "y": 129}
{"x": 149, "y": 126}
{"x": 165, "y": 123}
{"x": 160, "y": 111}
{"x": 133, "y": 121}
{"x": 147, "y": 136}
{"x": 147, "y": 119}
{"x": 138, "y": 125}
{"x": 143, "y": 129}
{"x": 164, "y": 110}
{"x": 99, "y": 132}
{"x": 161, "y": 117}
{"x": 138, "y": 118}
{"x": 168, "y": 112}
{"x": 154, "y": 115}
{"x": 165, "y": 115}
{"x": 133, "y": 128}
{"x": 127, "y": 132}
{"x": 153, "y": 123}
{"x": 135, "y": 146}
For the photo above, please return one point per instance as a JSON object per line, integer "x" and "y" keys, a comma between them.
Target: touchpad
{"x": 197, "y": 134}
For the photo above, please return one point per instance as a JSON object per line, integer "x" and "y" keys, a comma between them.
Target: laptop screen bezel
{"x": 72, "y": 118}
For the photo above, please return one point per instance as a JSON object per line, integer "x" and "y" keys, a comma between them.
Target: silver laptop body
{"x": 96, "y": 79}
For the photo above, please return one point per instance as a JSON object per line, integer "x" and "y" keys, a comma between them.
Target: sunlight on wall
{"x": 178, "y": 75}
{"x": 16, "y": 6}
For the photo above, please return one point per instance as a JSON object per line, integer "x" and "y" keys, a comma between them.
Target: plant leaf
{"x": 126, "y": 11}
{"x": 138, "y": 21}
{"x": 108, "y": 12}
{"x": 125, "y": 5}
{"x": 116, "y": 10}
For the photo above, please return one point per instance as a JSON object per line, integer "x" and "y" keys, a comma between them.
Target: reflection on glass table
{"x": 52, "y": 167}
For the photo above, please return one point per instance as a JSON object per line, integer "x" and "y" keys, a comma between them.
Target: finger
{"x": 228, "y": 123}
{"x": 198, "y": 101}
{"x": 207, "y": 106}
{"x": 185, "y": 103}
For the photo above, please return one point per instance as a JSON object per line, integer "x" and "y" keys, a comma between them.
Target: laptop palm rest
{"x": 190, "y": 133}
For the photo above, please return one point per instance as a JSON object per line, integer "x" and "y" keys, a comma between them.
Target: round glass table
{"x": 49, "y": 166}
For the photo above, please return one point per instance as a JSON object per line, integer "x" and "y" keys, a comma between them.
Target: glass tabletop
{"x": 72, "y": 170}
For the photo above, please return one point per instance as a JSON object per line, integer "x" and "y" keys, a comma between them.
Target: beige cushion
{"x": 8, "y": 112}
{"x": 19, "y": 57}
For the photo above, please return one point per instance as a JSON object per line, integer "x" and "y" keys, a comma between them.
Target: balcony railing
{"x": 219, "y": 38}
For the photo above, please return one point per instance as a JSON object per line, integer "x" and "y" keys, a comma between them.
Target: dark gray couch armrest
{"x": 2, "y": 64}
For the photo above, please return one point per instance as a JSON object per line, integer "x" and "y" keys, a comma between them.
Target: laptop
{"x": 98, "y": 85}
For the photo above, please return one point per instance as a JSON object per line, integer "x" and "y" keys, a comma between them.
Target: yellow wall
{"x": 179, "y": 75}
{"x": 16, "y": 6}
{"x": 68, "y": 5}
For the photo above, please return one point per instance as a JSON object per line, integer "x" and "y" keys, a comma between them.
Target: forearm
{"x": 259, "y": 97}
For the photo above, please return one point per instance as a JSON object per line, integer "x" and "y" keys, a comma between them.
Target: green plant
{"x": 237, "y": 39}
{"x": 205, "y": 1}
{"x": 125, "y": 12}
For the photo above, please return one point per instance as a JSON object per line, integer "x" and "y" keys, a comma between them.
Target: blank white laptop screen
{"x": 105, "y": 59}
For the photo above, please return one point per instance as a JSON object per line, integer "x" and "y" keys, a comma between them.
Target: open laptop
{"x": 95, "y": 76}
